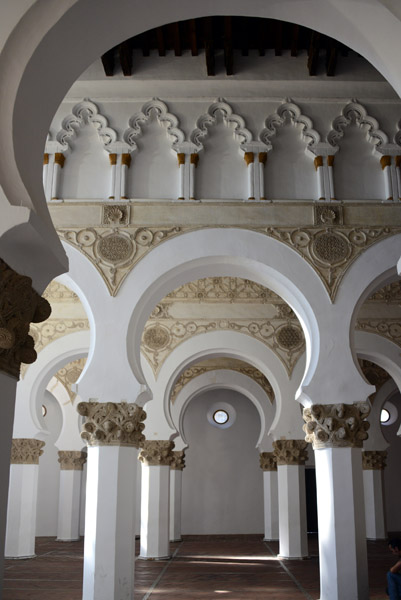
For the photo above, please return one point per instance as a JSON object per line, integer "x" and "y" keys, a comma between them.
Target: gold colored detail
{"x": 46, "y": 159}
{"x": 59, "y": 159}
{"x": 263, "y": 157}
{"x": 398, "y": 161}
{"x": 249, "y": 158}
{"x": 181, "y": 158}
{"x": 26, "y": 451}
{"x": 385, "y": 161}
{"x": 113, "y": 159}
{"x": 71, "y": 460}
{"x": 194, "y": 159}
{"x": 330, "y": 162}
{"x": 374, "y": 460}
{"x": 126, "y": 159}
{"x": 318, "y": 162}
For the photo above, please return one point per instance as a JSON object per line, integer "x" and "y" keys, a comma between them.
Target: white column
{"x": 45, "y": 172}
{"x": 330, "y": 163}
{"x": 113, "y": 165}
{"x": 22, "y": 498}
{"x": 398, "y": 174}
{"x": 181, "y": 167}
{"x": 194, "y": 159}
{"x": 176, "y": 467}
{"x": 138, "y": 498}
{"x": 125, "y": 165}
{"x": 59, "y": 160}
{"x": 112, "y": 432}
{"x": 320, "y": 177}
{"x": 337, "y": 432}
{"x": 268, "y": 463}
{"x": 155, "y": 499}
{"x": 262, "y": 162}
{"x": 373, "y": 463}
{"x": 249, "y": 159}
{"x": 71, "y": 465}
{"x": 385, "y": 162}
{"x": 291, "y": 456}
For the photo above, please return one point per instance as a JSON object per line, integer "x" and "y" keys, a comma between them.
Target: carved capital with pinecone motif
{"x": 336, "y": 425}
{"x": 112, "y": 424}
{"x": 290, "y": 452}
{"x": 71, "y": 460}
{"x": 20, "y": 306}
{"x": 178, "y": 460}
{"x": 26, "y": 451}
{"x": 268, "y": 461}
{"x": 374, "y": 460}
{"x": 156, "y": 453}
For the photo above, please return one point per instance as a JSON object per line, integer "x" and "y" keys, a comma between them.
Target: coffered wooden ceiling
{"x": 213, "y": 35}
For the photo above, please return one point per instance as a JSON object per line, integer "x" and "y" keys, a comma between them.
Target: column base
{"x": 69, "y": 540}
{"x": 176, "y": 540}
{"x": 20, "y": 557}
{"x": 271, "y": 539}
{"x": 154, "y": 557}
{"x": 281, "y": 557}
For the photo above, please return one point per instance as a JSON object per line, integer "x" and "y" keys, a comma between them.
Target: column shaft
{"x": 374, "y": 504}
{"x": 21, "y": 513}
{"x": 175, "y": 504}
{"x": 292, "y": 511}
{"x": 271, "y": 509}
{"x": 69, "y": 505}
{"x": 155, "y": 512}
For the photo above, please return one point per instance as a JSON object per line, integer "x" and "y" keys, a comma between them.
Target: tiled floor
{"x": 232, "y": 567}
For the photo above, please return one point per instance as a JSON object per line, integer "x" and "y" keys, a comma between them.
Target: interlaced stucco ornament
{"x": 390, "y": 294}
{"x": 69, "y": 374}
{"x": 336, "y": 425}
{"x": 178, "y": 460}
{"x": 26, "y": 451}
{"x": 165, "y": 118}
{"x": 71, "y": 460}
{"x": 354, "y": 112}
{"x": 289, "y": 112}
{"x": 223, "y": 289}
{"x": 388, "y": 328}
{"x": 221, "y": 107}
{"x": 156, "y": 453}
{"x": 268, "y": 461}
{"x": 373, "y": 460}
{"x": 19, "y": 306}
{"x": 82, "y": 113}
{"x": 373, "y": 373}
{"x": 112, "y": 424}
{"x": 290, "y": 452}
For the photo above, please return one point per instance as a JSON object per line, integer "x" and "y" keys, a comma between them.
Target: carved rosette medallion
{"x": 19, "y": 306}
{"x": 178, "y": 460}
{"x": 156, "y": 453}
{"x": 268, "y": 461}
{"x": 336, "y": 425}
{"x": 112, "y": 424}
{"x": 290, "y": 452}
{"x": 26, "y": 451}
{"x": 374, "y": 460}
{"x": 71, "y": 460}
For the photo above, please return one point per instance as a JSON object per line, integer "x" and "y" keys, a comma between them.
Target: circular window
{"x": 220, "y": 416}
{"x": 384, "y": 416}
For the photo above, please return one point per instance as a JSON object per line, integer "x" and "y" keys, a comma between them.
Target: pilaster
{"x": 268, "y": 464}
{"x": 373, "y": 465}
{"x": 71, "y": 466}
{"x": 177, "y": 466}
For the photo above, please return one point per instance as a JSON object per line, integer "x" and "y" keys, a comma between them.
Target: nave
{"x": 234, "y": 567}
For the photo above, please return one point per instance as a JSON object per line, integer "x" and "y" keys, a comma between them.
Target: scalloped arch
{"x": 289, "y": 109}
{"x": 82, "y": 113}
{"x": 397, "y": 137}
{"x": 355, "y": 110}
{"x": 229, "y": 117}
{"x": 165, "y": 118}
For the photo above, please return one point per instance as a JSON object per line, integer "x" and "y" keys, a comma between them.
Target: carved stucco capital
{"x": 20, "y": 305}
{"x": 156, "y": 453}
{"x": 112, "y": 424}
{"x": 71, "y": 460}
{"x": 268, "y": 461}
{"x": 336, "y": 425}
{"x": 290, "y": 452}
{"x": 26, "y": 451}
{"x": 178, "y": 460}
{"x": 374, "y": 460}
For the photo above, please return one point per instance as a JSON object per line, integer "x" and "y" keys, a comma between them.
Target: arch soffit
{"x": 224, "y": 379}
{"x": 356, "y": 111}
{"x": 70, "y": 426}
{"x": 381, "y": 351}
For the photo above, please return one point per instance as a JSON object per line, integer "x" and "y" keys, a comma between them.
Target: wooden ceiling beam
{"x": 209, "y": 46}
{"x": 278, "y": 38}
{"x": 261, "y": 37}
{"x": 161, "y": 44}
{"x": 313, "y": 55}
{"x": 108, "y": 62}
{"x": 177, "y": 39}
{"x": 294, "y": 40}
{"x": 331, "y": 58}
{"x": 125, "y": 52}
{"x": 193, "y": 37}
{"x": 228, "y": 46}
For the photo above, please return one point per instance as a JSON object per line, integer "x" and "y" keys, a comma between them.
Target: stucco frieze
{"x": 374, "y": 460}
{"x": 71, "y": 460}
{"x": 389, "y": 294}
{"x": 290, "y": 452}
{"x": 373, "y": 373}
{"x": 388, "y": 328}
{"x": 112, "y": 424}
{"x": 26, "y": 451}
{"x": 156, "y": 453}
{"x": 178, "y": 460}
{"x": 19, "y": 306}
{"x": 336, "y": 425}
{"x": 69, "y": 374}
{"x": 268, "y": 461}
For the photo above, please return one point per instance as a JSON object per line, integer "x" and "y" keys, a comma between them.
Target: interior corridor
{"x": 202, "y": 567}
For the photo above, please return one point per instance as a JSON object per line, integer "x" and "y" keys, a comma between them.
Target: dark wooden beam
{"x": 313, "y": 55}
{"x": 145, "y": 43}
{"x": 278, "y": 38}
{"x": 244, "y": 36}
{"x": 331, "y": 58}
{"x": 108, "y": 62}
{"x": 161, "y": 44}
{"x": 294, "y": 40}
{"x": 125, "y": 51}
{"x": 261, "y": 36}
{"x": 228, "y": 46}
{"x": 177, "y": 39}
{"x": 193, "y": 37}
{"x": 209, "y": 46}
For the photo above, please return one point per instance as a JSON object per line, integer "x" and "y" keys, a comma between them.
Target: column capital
{"x": 19, "y": 306}
{"x": 373, "y": 460}
{"x": 290, "y": 452}
{"x": 178, "y": 460}
{"x": 268, "y": 461}
{"x": 112, "y": 423}
{"x": 71, "y": 460}
{"x": 156, "y": 453}
{"x": 336, "y": 425}
{"x": 26, "y": 451}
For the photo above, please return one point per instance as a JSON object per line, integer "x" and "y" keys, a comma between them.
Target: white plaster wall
{"x": 49, "y": 470}
{"x": 222, "y": 482}
{"x": 392, "y": 479}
